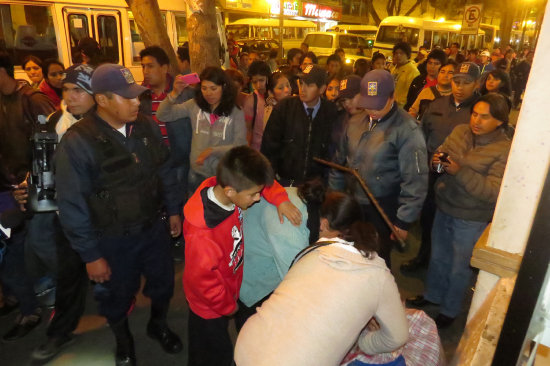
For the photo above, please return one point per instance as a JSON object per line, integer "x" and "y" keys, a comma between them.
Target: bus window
{"x": 27, "y": 30}
{"x": 289, "y": 33}
{"x": 440, "y": 39}
{"x": 392, "y": 34}
{"x": 427, "y": 40}
{"x": 239, "y": 31}
{"x": 345, "y": 42}
{"x": 302, "y": 32}
{"x": 455, "y": 38}
{"x": 262, "y": 32}
{"x": 181, "y": 29}
{"x": 137, "y": 42}
{"x": 362, "y": 42}
{"x": 78, "y": 29}
{"x": 108, "y": 37}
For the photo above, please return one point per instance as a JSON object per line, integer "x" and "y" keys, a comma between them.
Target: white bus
{"x": 422, "y": 32}
{"x": 52, "y": 29}
{"x": 294, "y": 31}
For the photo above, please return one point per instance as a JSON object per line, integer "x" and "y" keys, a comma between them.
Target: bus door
{"x": 102, "y": 25}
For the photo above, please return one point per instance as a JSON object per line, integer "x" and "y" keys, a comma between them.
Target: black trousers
{"x": 47, "y": 250}
{"x": 209, "y": 342}
{"x": 370, "y": 214}
{"x": 146, "y": 253}
{"x": 426, "y": 221}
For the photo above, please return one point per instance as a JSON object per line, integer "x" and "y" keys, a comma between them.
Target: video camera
{"x": 41, "y": 185}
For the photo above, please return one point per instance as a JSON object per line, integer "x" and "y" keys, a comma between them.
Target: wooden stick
{"x": 401, "y": 243}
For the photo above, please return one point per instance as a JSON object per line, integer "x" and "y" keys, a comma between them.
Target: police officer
{"x": 113, "y": 178}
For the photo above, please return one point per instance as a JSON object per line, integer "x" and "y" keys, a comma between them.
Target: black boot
{"x": 125, "y": 352}
{"x": 158, "y": 329}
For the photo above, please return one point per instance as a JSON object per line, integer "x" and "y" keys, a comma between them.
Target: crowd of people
{"x": 230, "y": 162}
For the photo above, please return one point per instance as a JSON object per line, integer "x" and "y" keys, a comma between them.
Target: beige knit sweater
{"x": 317, "y": 313}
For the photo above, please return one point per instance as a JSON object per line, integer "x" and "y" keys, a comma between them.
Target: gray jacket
{"x": 471, "y": 194}
{"x": 391, "y": 158}
{"x": 225, "y": 133}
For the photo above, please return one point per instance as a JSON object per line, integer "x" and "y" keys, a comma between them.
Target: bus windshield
{"x": 392, "y": 34}
{"x": 319, "y": 40}
{"x": 239, "y": 31}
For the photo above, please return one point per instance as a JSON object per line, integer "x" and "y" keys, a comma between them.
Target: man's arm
{"x": 413, "y": 166}
{"x": 273, "y": 136}
{"x": 73, "y": 164}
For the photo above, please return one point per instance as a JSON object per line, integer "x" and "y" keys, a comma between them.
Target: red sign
{"x": 320, "y": 11}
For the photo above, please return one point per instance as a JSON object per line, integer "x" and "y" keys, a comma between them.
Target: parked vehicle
{"x": 294, "y": 31}
{"x": 262, "y": 46}
{"x": 367, "y": 31}
{"x": 422, "y": 32}
{"x": 52, "y": 29}
{"x": 326, "y": 43}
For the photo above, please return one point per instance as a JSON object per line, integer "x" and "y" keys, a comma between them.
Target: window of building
{"x": 27, "y": 30}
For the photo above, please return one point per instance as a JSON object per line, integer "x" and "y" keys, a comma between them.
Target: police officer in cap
{"x": 113, "y": 178}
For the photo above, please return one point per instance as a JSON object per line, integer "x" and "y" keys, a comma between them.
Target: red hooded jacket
{"x": 214, "y": 252}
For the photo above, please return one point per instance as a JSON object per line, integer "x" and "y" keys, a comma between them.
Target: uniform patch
{"x": 343, "y": 84}
{"x": 373, "y": 88}
{"x": 464, "y": 68}
{"x": 127, "y": 75}
{"x": 308, "y": 69}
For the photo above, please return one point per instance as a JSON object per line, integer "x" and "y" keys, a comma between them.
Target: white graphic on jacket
{"x": 236, "y": 256}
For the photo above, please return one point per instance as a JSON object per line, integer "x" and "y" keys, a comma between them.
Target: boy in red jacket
{"x": 214, "y": 248}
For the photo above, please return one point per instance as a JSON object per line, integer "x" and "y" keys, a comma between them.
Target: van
{"x": 52, "y": 29}
{"x": 326, "y": 43}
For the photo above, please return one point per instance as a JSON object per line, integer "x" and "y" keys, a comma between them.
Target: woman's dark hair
{"x": 218, "y": 77}
{"x": 505, "y": 86}
{"x": 309, "y": 55}
{"x": 274, "y": 79}
{"x": 343, "y": 213}
{"x": 235, "y": 75}
{"x": 30, "y": 58}
{"x": 292, "y": 53}
{"x": 460, "y": 58}
{"x": 259, "y": 68}
{"x": 376, "y": 56}
{"x": 403, "y": 46}
{"x": 183, "y": 54}
{"x": 361, "y": 66}
{"x": 499, "y": 106}
{"x": 501, "y": 64}
{"x": 46, "y": 66}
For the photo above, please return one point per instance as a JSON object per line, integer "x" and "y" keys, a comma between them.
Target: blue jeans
{"x": 449, "y": 273}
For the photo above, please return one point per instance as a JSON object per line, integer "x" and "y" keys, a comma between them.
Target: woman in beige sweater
{"x": 331, "y": 292}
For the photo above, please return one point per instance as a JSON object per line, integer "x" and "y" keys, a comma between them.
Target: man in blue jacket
{"x": 389, "y": 151}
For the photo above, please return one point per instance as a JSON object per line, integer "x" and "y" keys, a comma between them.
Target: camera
{"x": 42, "y": 194}
{"x": 443, "y": 157}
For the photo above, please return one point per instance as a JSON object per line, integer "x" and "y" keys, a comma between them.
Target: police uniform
{"x": 111, "y": 188}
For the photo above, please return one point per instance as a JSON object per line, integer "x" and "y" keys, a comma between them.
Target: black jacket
{"x": 288, "y": 141}
{"x": 416, "y": 87}
{"x": 78, "y": 165}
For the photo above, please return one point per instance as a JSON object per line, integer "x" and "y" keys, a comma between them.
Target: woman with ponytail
{"x": 332, "y": 290}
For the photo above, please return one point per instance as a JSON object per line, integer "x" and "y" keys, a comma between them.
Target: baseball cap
{"x": 350, "y": 86}
{"x": 314, "y": 74}
{"x": 80, "y": 75}
{"x": 467, "y": 70}
{"x": 376, "y": 87}
{"x": 485, "y": 53}
{"x": 116, "y": 79}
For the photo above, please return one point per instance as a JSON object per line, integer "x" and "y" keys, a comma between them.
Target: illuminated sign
{"x": 320, "y": 11}
{"x": 290, "y": 8}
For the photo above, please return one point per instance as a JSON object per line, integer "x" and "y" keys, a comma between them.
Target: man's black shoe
{"x": 413, "y": 265}
{"x": 47, "y": 351}
{"x": 419, "y": 301}
{"x": 443, "y": 321}
{"x": 169, "y": 340}
{"x": 125, "y": 354}
{"x": 23, "y": 325}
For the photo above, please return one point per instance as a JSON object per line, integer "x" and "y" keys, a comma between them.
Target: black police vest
{"x": 127, "y": 192}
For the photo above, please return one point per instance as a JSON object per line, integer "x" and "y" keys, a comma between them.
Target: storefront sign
{"x": 291, "y": 8}
{"x": 320, "y": 11}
